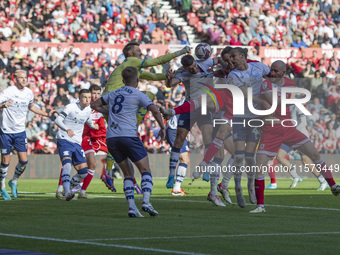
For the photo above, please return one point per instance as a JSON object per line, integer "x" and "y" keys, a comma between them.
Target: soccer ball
{"x": 203, "y": 51}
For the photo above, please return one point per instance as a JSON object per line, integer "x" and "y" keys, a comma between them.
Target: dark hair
{"x": 84, "y": 91}
{"x": 129, "y": 47}
{"x": 241, "y": 51}
{"x": 129, "y": 74}
{"x": 94, "y": 87}
{"x": 226, "y": 50}
{"x": 187, "y": 60}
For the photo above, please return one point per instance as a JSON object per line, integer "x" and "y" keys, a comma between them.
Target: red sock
{"x": 214, "y": 147}
{"x": 327, "y": 174}
{"x": 271, "y": 173}
{"x": 87, "y": 179}
{"x": 186, "y": 107}
{"x": 287, "y": 157}
{"x": 61, "y": 173}
{"x": 275, "y": 162}
{"x": 259, "y": 191}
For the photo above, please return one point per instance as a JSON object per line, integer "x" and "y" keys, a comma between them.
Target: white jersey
{"x": 13, "y": 118}
{"x": 194, "y": 82}
{"x": 252, "y": 77}
{"x": 301, "y": 120}
{"x": 74, "y": 118}
{"x": 172, "y": 123}
{"x": 124, "y": 104}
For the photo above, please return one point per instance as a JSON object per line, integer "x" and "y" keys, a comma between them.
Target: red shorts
{"x": 94, "y": 146}
{"x": 227, "y": 103}
{"x": 273, "y": 137}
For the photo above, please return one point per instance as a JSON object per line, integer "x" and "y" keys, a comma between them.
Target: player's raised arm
{"x": 98, "y": 105}
{"x": 152, "y": 76}
{"x": 164, "y": 58}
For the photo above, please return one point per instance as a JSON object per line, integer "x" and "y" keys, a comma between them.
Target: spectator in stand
{"x": 150, "y": 142}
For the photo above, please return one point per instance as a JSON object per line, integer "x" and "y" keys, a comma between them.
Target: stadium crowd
{"x": 279, "y": 23}
{"x": 55, "y": 77}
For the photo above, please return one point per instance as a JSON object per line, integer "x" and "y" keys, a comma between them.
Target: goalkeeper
{"x": 133, "y": 53}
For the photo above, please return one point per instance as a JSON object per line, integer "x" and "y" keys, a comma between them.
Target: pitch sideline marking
{"x": 98, "y": 244}
{"x": 213, "y": 236}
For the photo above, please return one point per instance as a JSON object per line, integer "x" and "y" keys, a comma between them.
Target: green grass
{"x": 105, "y": 217}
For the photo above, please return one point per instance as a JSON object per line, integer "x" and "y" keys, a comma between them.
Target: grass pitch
{"x": 299, "y": 221}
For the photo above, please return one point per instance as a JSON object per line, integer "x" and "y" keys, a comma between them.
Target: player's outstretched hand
{"x": 183, "y": 51}
{"x": 167, "y": 113}
{"x": 70, "y": 132}
{"x": 161, "y": 134}
{"x": 96, "y": 127}
{"x": 170, "y": 74}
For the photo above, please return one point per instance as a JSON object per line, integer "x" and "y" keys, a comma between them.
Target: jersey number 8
{"x": 117, "y": 106}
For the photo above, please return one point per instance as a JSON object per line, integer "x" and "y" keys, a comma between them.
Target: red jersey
{"x": 267, "y": 86}
{"x": 97, "y": 118}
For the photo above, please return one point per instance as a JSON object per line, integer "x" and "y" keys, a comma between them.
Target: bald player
{"x": 274, "y": 135}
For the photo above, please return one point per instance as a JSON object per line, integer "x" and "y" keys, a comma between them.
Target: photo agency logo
{"x": 281, "y": 97}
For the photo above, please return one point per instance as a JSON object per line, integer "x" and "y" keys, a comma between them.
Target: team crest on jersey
{"x": 261, "y": 146}
{"x": 264, "y": 85}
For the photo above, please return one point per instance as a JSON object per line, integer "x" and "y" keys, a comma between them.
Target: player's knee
{"x": 82, "y": 172}
{"x": 4, "y": 165}
{"x": 315, "y": 156}
{"x": 66, "y": 161}
{"x": 249, "y": 158}
{"x": 238, "y": 160}
{"x": 23, "y": 163}
{"x": 92, "y": 165}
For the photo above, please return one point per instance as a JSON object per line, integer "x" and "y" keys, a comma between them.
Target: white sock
{"x": 321, "y": 178}
{"x": 174, "y": 157}
{"x": 76, "y": 180}
{"x": 181, "y": 172}
{"x": 214, "y": 176}
{"x": 19, "y": 169}
{"x": 65, "y": 177}
{"x": 129, "y": 192}
{"x": 293, "y": 173}
{"x": 146, "y": 185}
{"x": 60, "y": 188}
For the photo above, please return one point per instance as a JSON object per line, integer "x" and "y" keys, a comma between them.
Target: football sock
{"x": 129, "y": 192}
{"x": 272, "y": 174}
{"x": 213, "y": 148}
{"x": 87, "y": 180}
{"x": 181, "y": 172}
{"x": 3, "y": 173}
{"x": 65, "y": 178}
{"x": 321, "y": 167}
{"x": 321, "y": 178}
{"x": 174, "y": 156}
{"x": 214, "y": 176}
{"x": 78, "y": 177}
{"x": 259, "y": 190}
{"x": 293, "y": 173}
{"x": 147, "y": 185}
{"x": 228, "y": 174}
{"x": 19, "y": 169}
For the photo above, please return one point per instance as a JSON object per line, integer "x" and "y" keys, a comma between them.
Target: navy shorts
{"x": 18, "y": 141}
{"x": 244, "y": 132}
{"x": 170, "y": 138}
{"x": 122, "y": 148}
{"x": 71, "y": 150}
{"x": 187, "y": 120}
